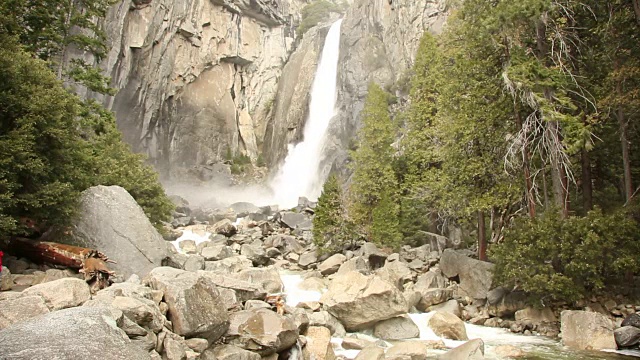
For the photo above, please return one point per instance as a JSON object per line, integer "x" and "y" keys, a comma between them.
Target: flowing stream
{"x": 300, "y": 173}
{"x": 535, "y": 347}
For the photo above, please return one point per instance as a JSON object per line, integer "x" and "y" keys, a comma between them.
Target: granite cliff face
{"x": 380, "y": 39}
{"x": 196, "y": 78}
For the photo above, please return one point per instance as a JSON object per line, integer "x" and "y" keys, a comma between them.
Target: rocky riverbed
{"x": 246, "y": 282}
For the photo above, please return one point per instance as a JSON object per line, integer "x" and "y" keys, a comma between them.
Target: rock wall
{"x": 197, "y": 77}
{"x": 379, "y": 42}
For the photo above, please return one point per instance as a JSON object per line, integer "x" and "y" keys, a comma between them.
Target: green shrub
{"x": 567, "y": 259}
{"x": 315, "y": 13}
{"x": 53, "y": 146}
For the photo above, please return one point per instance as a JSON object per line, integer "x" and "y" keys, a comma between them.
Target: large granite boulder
{"x": 587, "y": 330}
{"x": 78, "y": 333}
{"x": 360, "y": 301}
{"x": 262, "y": 331}
{"x": 196, "y": 308}
{"x": 447, "y": 325}
{"x": 20, "y": 309}
{"x": 475, "y": 276}
{"x": 110, "y": 221}
{"x": 61, "y": 294}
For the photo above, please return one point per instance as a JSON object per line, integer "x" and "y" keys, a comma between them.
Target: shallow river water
{"x": 535, "y": 347}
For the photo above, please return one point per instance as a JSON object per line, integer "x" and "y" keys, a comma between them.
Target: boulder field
{"x": 223, "y": 296}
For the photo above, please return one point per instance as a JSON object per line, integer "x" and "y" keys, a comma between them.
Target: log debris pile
{"x": 90, "y": 262}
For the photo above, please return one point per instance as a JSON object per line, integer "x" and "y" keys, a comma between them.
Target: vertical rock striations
{"x": 197, "y": 77}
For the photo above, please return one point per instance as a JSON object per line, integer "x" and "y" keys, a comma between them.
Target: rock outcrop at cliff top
{"x": 110, "y": 220}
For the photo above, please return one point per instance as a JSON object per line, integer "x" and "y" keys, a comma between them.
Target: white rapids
{"x": 300, "y": 174}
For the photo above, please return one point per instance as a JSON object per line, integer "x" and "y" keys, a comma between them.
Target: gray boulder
{"x": 471, "y": 350}
{"x": 229, "y": 265}
{"x": 224, "y": 227}
{"x": 217, "y": 252}
{"x": 430, "y": 297}
{"x": 627, "y": 336}
{"x": 357, "y": 263}
{"x": 255, "y": 253}
{"x": 398, "y": 328}
{"x": 360, "y": 301}
{"x": 195, "y": 306}
{"x": 632, "y": 320}
{"x": 5, "y": 279}
{"x": 307, "y": 259}
{"x": 268, "y": 278}
{"x": 332, "y": 264}
{"x": 295, "y": 220}
{"x": 396, "y": 273}
{"x": 475, "y": 276}
{"x": 243, "y": 209}
{"x": 409, "y": 350}
{"x": 447, "y": 325}
{"x": 324, "y": 319}
{"x": 262, "y": 331}
{"x": 584, "y": 330}
{"x": 77, "y": 333}
{"x": 110, "y": 220}
{"x": 432, "y": 279}
{"x": 61, "y": 294}
{"x": 20, "y": 309}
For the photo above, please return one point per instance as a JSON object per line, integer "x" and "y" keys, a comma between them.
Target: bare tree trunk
{"x": 482, "y": 237}
{"x": 587, "y": 186}
{"x": 626, "y": 160}
{"x": 531, "y": 201}
{"x": 636, "y": 8}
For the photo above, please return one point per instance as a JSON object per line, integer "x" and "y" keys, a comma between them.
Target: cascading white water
{"x": 299, "y": 174}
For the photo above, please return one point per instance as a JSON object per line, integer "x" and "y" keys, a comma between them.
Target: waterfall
{"x": 300, "y": 173}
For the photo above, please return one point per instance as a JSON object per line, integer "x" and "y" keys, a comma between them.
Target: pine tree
{"x": 332, "y": 229}
{"x": 374, "y": 176}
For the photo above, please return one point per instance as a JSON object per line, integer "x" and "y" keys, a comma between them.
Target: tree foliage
{"x": 53, "y": 144}
{"x": 374, "y": 186}
{"x": 332, "y": 228}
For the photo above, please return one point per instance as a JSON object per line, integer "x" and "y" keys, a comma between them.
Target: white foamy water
{"x": 295, "y": 295}
{"x": 300, "y": 173}
{"x": 198, "y": 237}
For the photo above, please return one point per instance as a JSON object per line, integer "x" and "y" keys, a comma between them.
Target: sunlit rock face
{"x": 196, "y": 78}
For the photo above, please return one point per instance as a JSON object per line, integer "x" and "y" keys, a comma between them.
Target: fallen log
{"x": 90, "y": 262}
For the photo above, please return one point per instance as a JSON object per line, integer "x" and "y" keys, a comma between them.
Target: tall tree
{"x": 374, "y": 178}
